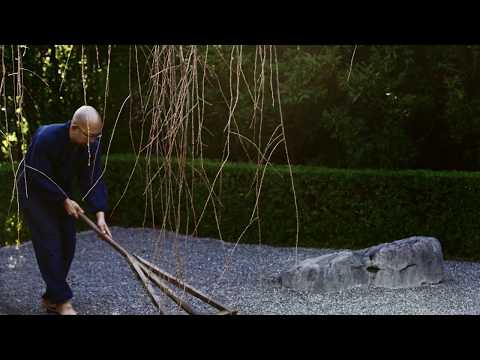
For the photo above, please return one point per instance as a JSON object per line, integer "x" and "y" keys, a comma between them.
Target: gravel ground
{"x": 103, "y": 283}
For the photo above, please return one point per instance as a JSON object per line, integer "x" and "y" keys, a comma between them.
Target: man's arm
{"x": 91, "y": 184}
{"x": 72, "y": 208}
{"x": 101, "y": 223}
{"x": 39, "y": 172}
{"x": 90, "y": 181}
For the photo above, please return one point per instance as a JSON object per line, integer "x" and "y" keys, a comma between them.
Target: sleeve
{"x": 40, "y": 172}
{"x": 88, "y": 177}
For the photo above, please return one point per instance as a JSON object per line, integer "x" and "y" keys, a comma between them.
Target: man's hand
{"x": 102, "y": 224}
{"x": 72, "y": 208}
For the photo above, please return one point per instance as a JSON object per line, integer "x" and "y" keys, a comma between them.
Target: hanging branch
{"x": 172, "y": 117}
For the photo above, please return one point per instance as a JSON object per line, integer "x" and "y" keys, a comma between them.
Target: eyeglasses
{"x": 92, "y": 136}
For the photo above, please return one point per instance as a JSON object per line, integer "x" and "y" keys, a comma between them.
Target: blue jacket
{"x": 52, "y": 153}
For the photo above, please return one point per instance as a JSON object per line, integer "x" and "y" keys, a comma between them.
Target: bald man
{"x": 57, "y": 154}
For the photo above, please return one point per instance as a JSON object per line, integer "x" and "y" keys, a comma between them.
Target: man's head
{"x": 86, "y": 125}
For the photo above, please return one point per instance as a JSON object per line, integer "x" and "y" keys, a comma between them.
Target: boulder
{"x": 405, "y": 263}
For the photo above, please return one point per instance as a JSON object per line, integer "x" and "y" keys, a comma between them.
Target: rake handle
{"x": 131, "y": 260}
{"x": 191, "y": 290}
{"x": 140, "y": 264}
{"x": 104, "y": 236}
{"x": 94, "y": 226}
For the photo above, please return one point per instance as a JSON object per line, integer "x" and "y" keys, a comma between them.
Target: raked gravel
{"x": 103, "y": 283}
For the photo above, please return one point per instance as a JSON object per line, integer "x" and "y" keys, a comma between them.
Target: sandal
{"x": 59, "y": 309}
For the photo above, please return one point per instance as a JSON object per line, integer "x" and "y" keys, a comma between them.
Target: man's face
{"x": 82, "y": 136}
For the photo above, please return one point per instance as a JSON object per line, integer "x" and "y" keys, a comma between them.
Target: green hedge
{"x": 337, "y": 208}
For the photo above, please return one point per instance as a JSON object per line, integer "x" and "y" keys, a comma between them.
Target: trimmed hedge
{"x": 337, "y": 208}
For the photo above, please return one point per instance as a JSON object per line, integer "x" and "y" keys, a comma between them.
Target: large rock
{"x": 406, "y": 263}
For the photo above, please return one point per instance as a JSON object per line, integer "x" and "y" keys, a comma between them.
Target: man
{"x": 57, "y": 154}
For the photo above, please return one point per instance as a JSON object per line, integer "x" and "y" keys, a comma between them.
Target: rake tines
{"x": 147, "y": 271}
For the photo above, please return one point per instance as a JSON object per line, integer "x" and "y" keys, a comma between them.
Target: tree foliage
{"x": 390, "y": 107}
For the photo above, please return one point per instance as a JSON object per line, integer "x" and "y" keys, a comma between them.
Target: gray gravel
{"x": 103, "y": 283}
